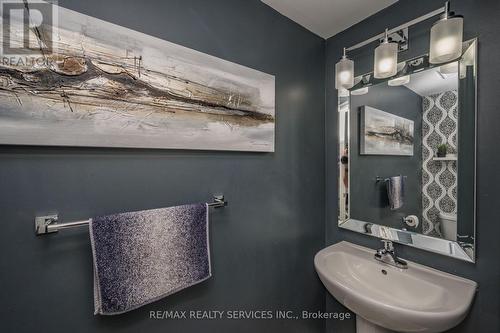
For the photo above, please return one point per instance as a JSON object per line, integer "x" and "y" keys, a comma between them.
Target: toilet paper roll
{"x": 411, "y": 221}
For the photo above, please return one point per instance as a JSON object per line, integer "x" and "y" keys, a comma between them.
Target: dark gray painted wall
{"x": 263, "y": 243}
{"x": 368, "y": 199}
{"x": 481, "y": 19}
{"x": 466, "y": 128}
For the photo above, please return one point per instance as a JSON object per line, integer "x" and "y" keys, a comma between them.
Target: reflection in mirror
{"x": 407, "y": 155}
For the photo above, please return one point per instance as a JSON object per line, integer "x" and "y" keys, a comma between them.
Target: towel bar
{"x": 48, "y": 224}
{"x": 381, "y": 179}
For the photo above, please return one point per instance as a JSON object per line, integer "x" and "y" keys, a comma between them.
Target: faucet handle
{"x": 388, "y": 246}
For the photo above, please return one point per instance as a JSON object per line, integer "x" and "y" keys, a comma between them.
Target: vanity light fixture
{"x": 344, "y": 73}
{"x": 446, "y": 37}
{"x": 386, "y": 58}
{"x": 446, "y": 45}
{"x": 360, "y": 91}
{"x": 399, "y": 81}
{"x": 342, "y": 92}
{"x": 450, "y": 68}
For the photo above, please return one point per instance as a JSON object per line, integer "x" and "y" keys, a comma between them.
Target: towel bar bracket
{"x": 42, "y": 224}
{"x": 50, "y": 223}
{"x": 219, "y": 202}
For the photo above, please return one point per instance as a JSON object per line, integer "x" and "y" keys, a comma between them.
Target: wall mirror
{"x": 407, "y": 155}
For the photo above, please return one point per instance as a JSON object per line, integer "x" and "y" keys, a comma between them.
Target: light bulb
{"x": 385, "y": 65}
{"x": 446, "y": 45}
{"x": 344, "y": 77}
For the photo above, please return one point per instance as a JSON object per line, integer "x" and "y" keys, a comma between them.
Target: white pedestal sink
{"x": 385, "y": 298}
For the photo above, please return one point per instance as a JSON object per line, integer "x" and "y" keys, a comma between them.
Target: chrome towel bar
{"x": 382, "y": 179}
{"x": 49, "y": 224}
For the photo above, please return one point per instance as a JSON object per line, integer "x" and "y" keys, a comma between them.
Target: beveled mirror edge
{"x": 410, "y": 238}
{"x": 455, "y": 250}
{"x": 468, "y": 43}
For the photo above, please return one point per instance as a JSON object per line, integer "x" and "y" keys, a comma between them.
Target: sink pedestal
{"x": 364, "y": 326}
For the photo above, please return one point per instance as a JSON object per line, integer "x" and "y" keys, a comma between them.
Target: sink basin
{"x": 384, "y": 298}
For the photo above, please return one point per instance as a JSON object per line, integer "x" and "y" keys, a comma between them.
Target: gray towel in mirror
{"x": 395, "y": 192}
{"x": 143, "y": 256}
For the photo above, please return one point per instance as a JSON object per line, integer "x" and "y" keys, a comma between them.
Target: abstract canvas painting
{"x": 383, "y": 133}
{"x": 104, "y": 85}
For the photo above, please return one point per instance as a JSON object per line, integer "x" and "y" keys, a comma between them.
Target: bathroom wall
{"x": 368, "y": 198}
{"x": 263, "y": 243}
{"x": 439, "y": 178}
{"x": 481, "y": 20}
{"x": 466, "y": 163}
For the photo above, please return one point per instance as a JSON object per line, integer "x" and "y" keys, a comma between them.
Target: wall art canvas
{"x": 383, "y": 133}
{"x": 103, "y": 85}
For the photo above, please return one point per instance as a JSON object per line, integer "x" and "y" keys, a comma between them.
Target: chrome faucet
{"x": 388, "y": 255}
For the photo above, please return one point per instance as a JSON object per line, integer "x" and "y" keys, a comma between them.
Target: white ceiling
{"x": 328, "y": 17}
{"x": 431, "y": 81}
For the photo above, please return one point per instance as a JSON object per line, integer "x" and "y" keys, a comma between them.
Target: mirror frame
{"x": 455, "y": 249}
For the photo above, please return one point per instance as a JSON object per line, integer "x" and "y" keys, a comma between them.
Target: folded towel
{"x": 395, "y": 192}
{"x": 143, "y": 256}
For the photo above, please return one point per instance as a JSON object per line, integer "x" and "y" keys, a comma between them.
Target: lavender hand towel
{"x": 143, "y": 256}
{"x": 396, "y": 192}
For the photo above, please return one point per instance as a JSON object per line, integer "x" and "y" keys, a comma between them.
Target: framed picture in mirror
{"x": 384, "y": 133}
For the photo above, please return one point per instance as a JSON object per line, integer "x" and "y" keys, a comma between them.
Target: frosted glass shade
{"x": 450, "y": 68}
{"x": 446, "y": 40}
{"x": 343, "y": 92}
{"x": 344, "y": 74}
{"x": 386, "y": 60}
{"x": 399, "y": 81}
{"x": 360, "y": 91}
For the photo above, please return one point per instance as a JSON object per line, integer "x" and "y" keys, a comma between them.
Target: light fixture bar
{"x": 422, "y": 18}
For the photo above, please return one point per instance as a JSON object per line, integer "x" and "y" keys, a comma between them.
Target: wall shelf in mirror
{"x": 449, "y": 157}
